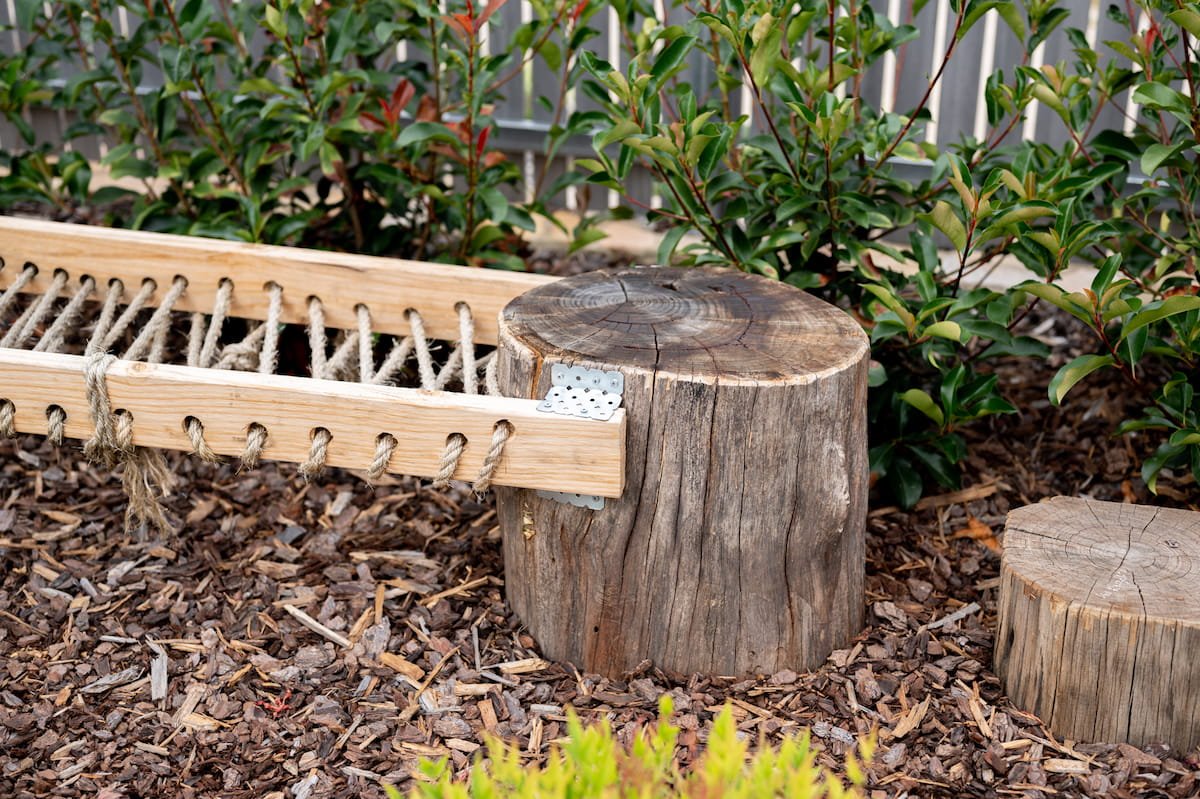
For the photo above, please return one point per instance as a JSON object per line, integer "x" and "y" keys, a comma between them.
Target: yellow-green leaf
{"x": 944, "y": 219}
{"x": 925, "y": 404}
{"x": 945, "y": 329}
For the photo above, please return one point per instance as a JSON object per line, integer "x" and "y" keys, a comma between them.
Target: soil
{"x": 135, "y": 665}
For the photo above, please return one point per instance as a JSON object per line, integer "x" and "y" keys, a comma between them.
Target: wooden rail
{"x": 387, "y": 286}
{"x": 546, "y": 451}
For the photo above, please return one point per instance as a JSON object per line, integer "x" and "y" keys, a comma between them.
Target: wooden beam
{"x": 546, "y": 451}
{"x": 387, "y": 286}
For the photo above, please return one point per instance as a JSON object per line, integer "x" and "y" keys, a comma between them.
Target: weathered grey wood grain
{"x": 1100, "y": 620}
{"x": 737, "y": 547}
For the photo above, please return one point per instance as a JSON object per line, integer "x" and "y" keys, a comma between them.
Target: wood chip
{"x": 912, "y": 719}
{"x": 487, "y": 714}
{"x": 473, "y": 689}
{"x": 524, "y": 666}
{"x": 151, "y": 748}
{"x": 199, "y": 721}
{"x": 402, "y": 666}
{"x": 317, "y": 627}
{"x": 158, "y": 672}
{"x": 961, "y": 613}
{"x": 1057, "y": 765}
{"x": 458, "y": 590}
{"x": 110, "y": 681}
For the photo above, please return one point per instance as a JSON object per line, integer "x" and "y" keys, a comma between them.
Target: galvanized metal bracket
{"x": 588, "y": 394}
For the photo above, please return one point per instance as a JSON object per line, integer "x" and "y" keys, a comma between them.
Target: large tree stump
{"x": 1100, "y": 620}
{"x": 737, "y": 546}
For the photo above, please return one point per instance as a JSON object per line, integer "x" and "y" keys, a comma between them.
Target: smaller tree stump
{"x": 1100, "y": 620}
{"x": 737, "y": 546}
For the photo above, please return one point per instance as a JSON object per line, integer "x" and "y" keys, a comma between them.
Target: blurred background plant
{"x": 289, "y": 121}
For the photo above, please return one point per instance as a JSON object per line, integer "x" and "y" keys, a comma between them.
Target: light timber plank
{"x": 548, "y": 451}
{"x": 387, "y": 286}
{"x": 1100, "y": 620}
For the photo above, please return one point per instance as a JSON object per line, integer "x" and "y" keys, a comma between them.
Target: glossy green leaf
{"x": 945, "y": 329}
{"x": 1160, "y": 310}
{"x": 944, "y": 218}
{"x": 1066, "y": 377}
{"x": 924, "y": 403}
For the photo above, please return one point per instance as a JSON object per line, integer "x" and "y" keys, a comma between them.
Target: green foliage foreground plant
{"x": 591, "y": 764}
{"x": 809, "y": 189}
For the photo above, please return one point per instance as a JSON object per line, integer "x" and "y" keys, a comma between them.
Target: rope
{"x": 212, "y": 336}
{"x": 56, "y": 420}
{"x": 339, "y": 362}
{"x": 489, "y": 374}
{"x": 19, "y": 333}
{"x": 424, "y": 361}
{"x": 146, "y": 476}
{"x": 159, "y": 323}
{"x": 366, "y": 345}
{"x": 449, "y": 370}
{"x": 316, "y": 454}
{"x": 500, "y": 435}
{"x": 195, "y": 338}
{"x": 316, "y": 336}
{"x": 145, "y": 473}
{"x": 8, "y": 421}
{"x": 466, "y": 346}
{"x": 456, "y": 443}
{"x": 243, "y": 354}
{"x": 270, "y": 346}
{"x": 394, "y": 361}
{"x": 53, "y": 339}
{"x": 112, "y": 296}
{"x": 195, "y": 433}
{"x": 256, "y": 441}
{"x": 10, "y": 294}
{"x": 131, "y": 311}
{"x": 385, "y": 445}
{"x": 102, "y": 446}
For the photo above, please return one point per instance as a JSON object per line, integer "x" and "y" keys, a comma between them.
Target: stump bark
{"x": 737, "y": 546}
{"x": 1100, "y": 620}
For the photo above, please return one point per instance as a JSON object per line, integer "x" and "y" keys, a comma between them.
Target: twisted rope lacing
{"x": 146, "y": 475}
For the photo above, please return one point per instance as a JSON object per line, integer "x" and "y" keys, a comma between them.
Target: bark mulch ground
{"x": 297, "y": 641}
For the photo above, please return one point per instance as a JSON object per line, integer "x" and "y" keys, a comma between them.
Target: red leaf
{"x": 427, "y": 110}
{"x": 578, "y": 12}
{"x": 371, "y": 122}
{"x": 459, "y": 23}
{"x": 402, "y": 94}
{"x": 492, "y": 7}
{"x": 482, "y": 141}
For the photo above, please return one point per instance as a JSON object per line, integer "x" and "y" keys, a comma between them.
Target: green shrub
{"x": 814, "y": 197}
{"x": 282, "y": 121}
{"x": 1142, "y": 308}
{"x": 592, "y": 765}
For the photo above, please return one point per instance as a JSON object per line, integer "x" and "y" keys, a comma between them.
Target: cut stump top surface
{"x": 702, "y": 323}
{"x": 1120, "y": 558}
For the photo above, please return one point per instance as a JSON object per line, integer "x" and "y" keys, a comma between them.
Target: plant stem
{"x": 887, "y": 153}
